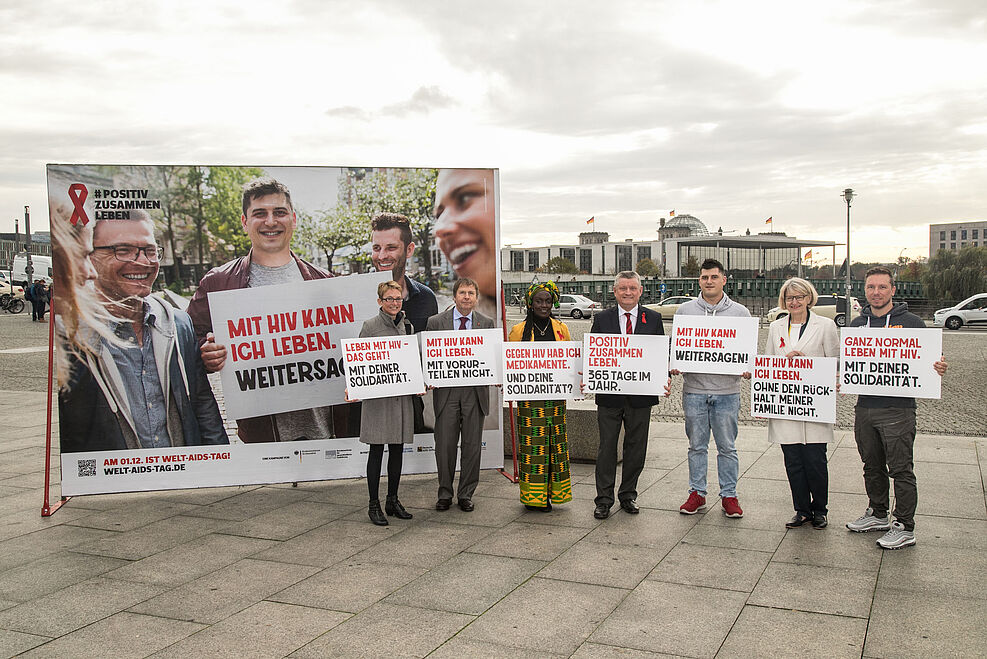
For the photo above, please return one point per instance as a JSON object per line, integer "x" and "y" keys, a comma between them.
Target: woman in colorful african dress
{"x": 544, "y": 449}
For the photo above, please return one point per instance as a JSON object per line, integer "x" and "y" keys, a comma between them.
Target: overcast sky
{"x": 729, "y": 111}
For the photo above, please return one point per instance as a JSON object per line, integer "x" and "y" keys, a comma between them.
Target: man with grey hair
{"x": 614, "y": 410}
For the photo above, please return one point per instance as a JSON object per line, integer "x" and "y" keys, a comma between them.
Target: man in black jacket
{"x": 884, "y": 428}
{"x": 634, "y": 412}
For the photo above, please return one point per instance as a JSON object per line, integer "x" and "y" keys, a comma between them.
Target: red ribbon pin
{"x": 78, "y": 193}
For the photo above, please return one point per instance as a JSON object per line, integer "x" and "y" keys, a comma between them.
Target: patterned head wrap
{"x": 549, "y": 286}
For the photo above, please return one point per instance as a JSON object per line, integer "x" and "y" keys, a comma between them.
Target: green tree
{"x": 559, "y": 265}
{"x": 956, "y": 276}
{"x": 330, "y": 231}
{"x": 223, "y": 206}
{"x": 691, "y": 267}
{"x": 410, "y": 192}
{"x": 647, "y": 268}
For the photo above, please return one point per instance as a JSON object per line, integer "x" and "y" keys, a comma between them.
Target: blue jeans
{"x": 705, "y": 412}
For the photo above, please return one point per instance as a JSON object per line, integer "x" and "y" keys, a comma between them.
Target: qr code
{"x": 87, "y": 468}
{"x": 330, "y": 454}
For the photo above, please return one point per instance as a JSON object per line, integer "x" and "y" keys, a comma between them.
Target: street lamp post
{"x": 848, "y": 196}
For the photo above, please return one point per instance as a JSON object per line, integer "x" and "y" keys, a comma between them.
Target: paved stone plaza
{"x": 274, "y": 571}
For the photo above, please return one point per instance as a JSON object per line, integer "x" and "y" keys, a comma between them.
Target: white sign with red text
{"x": 542, "y": 370}
{"x": 724, "y": 345}
{"x": 635, "y": 364}
{"x": 282, "y": 342}
{"x": 800, "y": 388}
{"x": 462, "y": 358}
{"x": 379, "y": 367}
{"x": 880, "y": 361}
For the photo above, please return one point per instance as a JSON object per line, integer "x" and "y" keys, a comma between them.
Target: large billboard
{"x": 199, "y": 312}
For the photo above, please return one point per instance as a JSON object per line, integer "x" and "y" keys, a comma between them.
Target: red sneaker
{"x": 693, "y": 504}
{"x": 731, "y": 508}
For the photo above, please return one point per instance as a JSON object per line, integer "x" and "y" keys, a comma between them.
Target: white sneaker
{"x": 867, "y": 522}
{"x": 896, "y": 538}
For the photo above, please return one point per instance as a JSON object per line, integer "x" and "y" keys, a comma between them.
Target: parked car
{"x": 7, "y": 289}
{"x": 577, "y": 306}
{"x": 669, "y": 305}
{"x": 830, "y": 306}
{"x": 971, "y": 311}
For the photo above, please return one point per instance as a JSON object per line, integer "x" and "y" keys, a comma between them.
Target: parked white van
{"x": 41, "y": 264}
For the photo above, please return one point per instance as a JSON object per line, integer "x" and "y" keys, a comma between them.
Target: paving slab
{"x": 328, "y": 544}
{"x": 457, "y": 648}
{"x": 349, "y": 585}
{"x": 52, "y": 573}
{"x": 656, "y": 529}
{"x": 833, "y": 546}
{"x": 467, "y": 583}
{"x": 78, "y": 605}
{"x": 220, "y": 594}
{"x": 121, "y": 636}
{"x": 155, "y": 537}
{"x": 14, "y": 643}
{"x": 533, "y": 541}
{"x": 424, "y": 545}
{"x": 190, "y": 560}
{"x": 546, "y": 614}
{"x": 266, "y": 629}
{"x": 662, "y": 617}
{"x": 839, "y": 591}
{"x": 713, "y": 567}
{"x": 936, "y": 626}
{"x": 599, "y": 651}
{"x": 386, "y": 630}
{"x": 29, "y": 547}
{"x": 764, "y": 632}
{"x": 932, "y": 570}
{"x": 621, "y": 566}
{"x": 489, "y": 511}
{"x": 289, "y": 521}
{"x": 728, "y": 536}
{"x": 250, "y": 503}
{"x": 965, "y": 485}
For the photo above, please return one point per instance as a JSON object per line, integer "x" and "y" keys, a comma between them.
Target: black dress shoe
{"x": 375, "y": 513}
{"x": 602, "y": 511}
{"x": 798, "y": 520}
{"x": 819, "y": 521}
{"x": 466, "y": 505}
{"x": 630, "y": 506}
{"x": 443, "y": 504}
{"x": 394, "y": 508}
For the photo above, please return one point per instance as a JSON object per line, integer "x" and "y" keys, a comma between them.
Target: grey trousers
{"x": 636, "y": 422}
{"x": 885, "y": 440}
{"x": 458, "y": 422}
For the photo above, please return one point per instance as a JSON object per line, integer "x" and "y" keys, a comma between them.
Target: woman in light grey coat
{"x": 387, "y": 421}
{"x": 803, "y": 443}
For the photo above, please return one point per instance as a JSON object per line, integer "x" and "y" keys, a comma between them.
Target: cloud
{"x": 423, "y": 101}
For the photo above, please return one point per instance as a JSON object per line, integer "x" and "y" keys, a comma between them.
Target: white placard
{"x": 462, "y": 358}
{"x": 379, "y": 367}
{"x": 801, "y": 388}
{"x": 542, "y": 370}
{"x": 282, "y": 342}
{"x": 635, "y": 364}
{"x": 880, "y": 361}
{"x": 724, "y": 345}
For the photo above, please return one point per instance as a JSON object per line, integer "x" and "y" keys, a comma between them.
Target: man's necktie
{"x": 630, "y": 328}
{"x": 462, "y": 322}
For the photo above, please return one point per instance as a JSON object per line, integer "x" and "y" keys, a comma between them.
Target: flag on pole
{"x": 591, "y": 220}
{"x": 768, "y": 221}
{"x": 808, "y": 255}
{"x": 671, "y": 214}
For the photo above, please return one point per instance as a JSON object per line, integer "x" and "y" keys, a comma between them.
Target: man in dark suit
{"x": 634, "y": 412}
{"x": 459, "y": 411}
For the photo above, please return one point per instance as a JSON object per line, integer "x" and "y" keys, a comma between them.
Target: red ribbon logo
{"x": 782, "y": 344}
{"x": 78, "y": 193}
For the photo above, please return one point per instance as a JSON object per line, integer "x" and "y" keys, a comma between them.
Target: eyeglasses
{"x": 128, "y": 253}
{"x": 392, "y": 300}
{"x": 795, "y": 298}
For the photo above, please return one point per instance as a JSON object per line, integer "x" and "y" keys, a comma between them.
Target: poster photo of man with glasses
{"x": 137, "y": 380}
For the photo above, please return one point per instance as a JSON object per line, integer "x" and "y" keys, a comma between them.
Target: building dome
{"x": 693, "y": 224}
